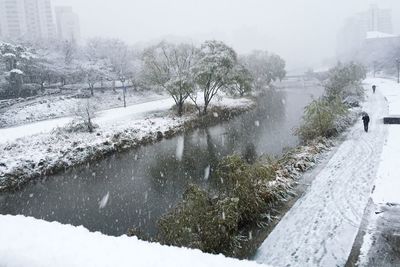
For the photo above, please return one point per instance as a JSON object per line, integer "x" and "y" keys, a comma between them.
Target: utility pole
{"x": 398, "y": 70}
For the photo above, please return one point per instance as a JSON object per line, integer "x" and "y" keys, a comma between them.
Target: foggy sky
{"x": 302, "y": 31}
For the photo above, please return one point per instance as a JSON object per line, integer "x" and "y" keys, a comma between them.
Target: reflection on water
{"x": 134, "y": 188}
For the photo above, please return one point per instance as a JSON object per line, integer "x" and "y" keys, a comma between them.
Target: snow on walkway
{"x": 388, "y": 182}
{"x": 380, "y": 246}
{"x": 319, "y": 230}
{"x": 36, "y": 243}
{"x": 13, "y": 133}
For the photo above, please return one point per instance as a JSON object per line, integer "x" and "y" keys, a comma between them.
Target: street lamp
{"x": 122, "y": 79}
{"x": 398, "y": 69}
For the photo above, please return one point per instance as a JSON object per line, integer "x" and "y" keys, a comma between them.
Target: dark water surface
{"x": 133, "y": 189}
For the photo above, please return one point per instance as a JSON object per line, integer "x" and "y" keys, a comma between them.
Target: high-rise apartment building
{"x": 67, "y": 24}
{"x": 356, "y": 29}
{"x": 12, "y": 18}
{"x": 27, "y": 19}
{"x": 39, "y": 18}
{"x": 376, "y": 20}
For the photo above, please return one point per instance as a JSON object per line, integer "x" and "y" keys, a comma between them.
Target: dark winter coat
{"x": 365, "y": 119}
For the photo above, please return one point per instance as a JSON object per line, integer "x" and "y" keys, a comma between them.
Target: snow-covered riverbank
{"x": 30, "y": 150}
{"x": 36, "y": 243}
{"x": 319, "y": 230}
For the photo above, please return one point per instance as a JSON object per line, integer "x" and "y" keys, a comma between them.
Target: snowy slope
{"x": 20, "y": 111}
{"x": 103, "y": 118}
{"x": 320, "y": 228}
{"x": 35, "y": 243}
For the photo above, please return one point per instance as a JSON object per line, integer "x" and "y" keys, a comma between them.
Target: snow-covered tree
{"x": 344, "y": 80}
{"x": 240, "y": 81}
{"x": 278, "y": 67}
{"x": 13, "y": 58}
{"x": 38, "y": 70}
{"x": 215, "y": 62}
{"x": 136, "y": 73}
{"x": 69, "y": 50}
{"x": 120, "y": 60}
{"x": 114, "y": 51}
{"x": 264, "y": 68}
{"x": 10, "y": 61}
{"x": 15, "y": 78}
{"x": 169, "y": 66}
{"x": 93, "y": 72}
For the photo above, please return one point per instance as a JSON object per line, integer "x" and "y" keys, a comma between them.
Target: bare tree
{"x": 85, "y": 112}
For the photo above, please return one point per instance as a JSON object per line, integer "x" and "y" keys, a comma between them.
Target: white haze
{"x": 302, "y": 31}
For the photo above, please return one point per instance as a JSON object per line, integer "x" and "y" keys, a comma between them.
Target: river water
{"x": 134, "y": 188}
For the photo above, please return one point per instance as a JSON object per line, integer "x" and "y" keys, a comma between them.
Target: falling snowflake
{"x": 179, "y": 148}
{"x": 207, "y": 172}
{"x": 103, "y": 202}
{"x": 257, "y": 123}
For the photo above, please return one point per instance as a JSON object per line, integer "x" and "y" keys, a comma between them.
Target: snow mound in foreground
{"x": 27, "y": 241}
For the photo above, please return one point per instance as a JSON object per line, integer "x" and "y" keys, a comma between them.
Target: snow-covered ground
{"x": 388, "y": 178}
{"x": 35, "y": 243}
{"x": 319, "y": 230}
{"x": 104, "y": 119}
{"x": 381, "y": 242}
{"x": 63, "y": 105}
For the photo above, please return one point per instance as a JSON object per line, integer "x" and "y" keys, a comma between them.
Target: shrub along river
{"x": 134, "y": 188}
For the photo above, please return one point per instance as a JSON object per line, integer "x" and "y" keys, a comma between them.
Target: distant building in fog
{"x": 39, "y": 19}
{"x": 12, "y": 18}
{"x": 377, "y": 20}
{"x": 379, "y": 50}
{"x": 368, "y": 38}
{"x": 26, "y": 19}
{"x": 356, "y": 29}
{"x": 68, "y": 27}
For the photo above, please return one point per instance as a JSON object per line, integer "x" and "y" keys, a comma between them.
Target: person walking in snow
{"x": 365, "y": 119}
{"x": 373, "y": 88}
